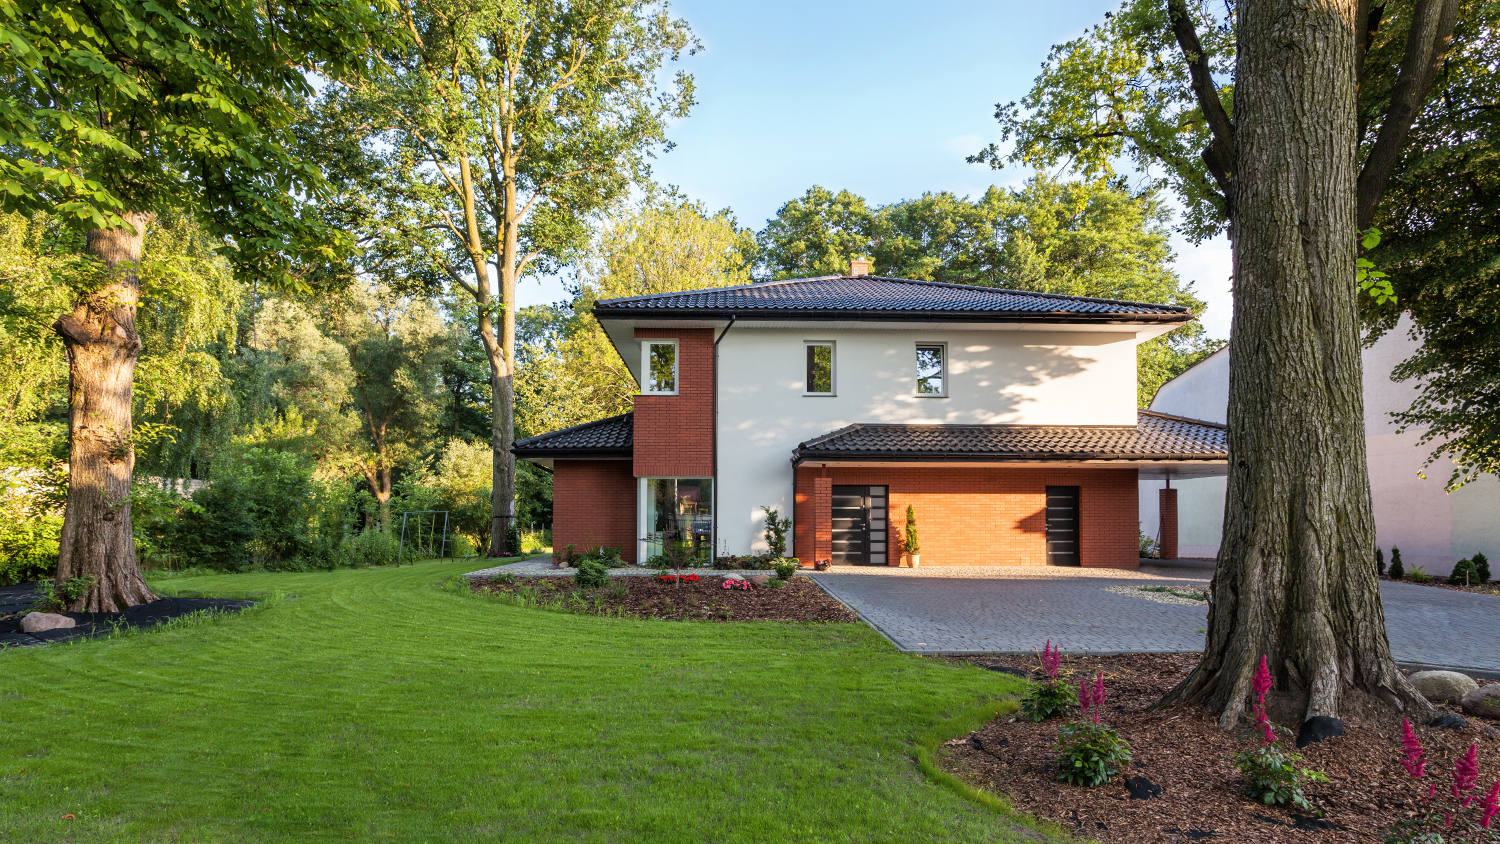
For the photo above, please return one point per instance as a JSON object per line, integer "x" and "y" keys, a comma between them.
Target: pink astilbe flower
{"x": 1099, "y": 696}
{"x": 1051, "y": 660}
{"x": 1415, "y": 764}
{"x": 1261, "y": 686}
{"x": 1091, "y": 697}
{"x": 1466, "y": 774}
{"x": 1491, "y": 805}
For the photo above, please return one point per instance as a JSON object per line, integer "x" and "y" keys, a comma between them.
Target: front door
{"x": 859, "y": 525}
{"x": 1062, "y": 525}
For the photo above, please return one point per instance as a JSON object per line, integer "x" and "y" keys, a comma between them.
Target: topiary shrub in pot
{"x": 912, "y": 545}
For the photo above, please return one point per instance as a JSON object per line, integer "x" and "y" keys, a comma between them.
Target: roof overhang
{"x": 1147, "y": 469}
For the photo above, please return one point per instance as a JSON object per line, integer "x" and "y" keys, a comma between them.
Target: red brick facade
{"x": 593, "y": 504}
{"x": 1166, "y": 499}
{"x": 674, "y": 435}
{"x": 980, "y": 516}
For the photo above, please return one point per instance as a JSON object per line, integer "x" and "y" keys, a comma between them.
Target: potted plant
{"x": 912, "y": 546}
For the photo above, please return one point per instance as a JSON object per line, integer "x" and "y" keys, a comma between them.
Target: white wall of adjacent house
{"x": 1413, "y": 511}
{"x": 994, "y": 376}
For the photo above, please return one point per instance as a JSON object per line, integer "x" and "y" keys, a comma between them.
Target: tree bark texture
{"x": 1295, "y": 579}
{"x": 102, "y": 346}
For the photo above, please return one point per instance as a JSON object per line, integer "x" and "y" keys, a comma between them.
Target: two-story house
{"x": 1006, "y": 419}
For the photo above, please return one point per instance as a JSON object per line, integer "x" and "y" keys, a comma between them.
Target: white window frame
{"x": 945, "y": 372}
{"x": 833, "y": 367}
{"x": 646, "y": 367}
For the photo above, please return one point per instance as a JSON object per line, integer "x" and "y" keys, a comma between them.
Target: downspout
{"x": 713, "y": 552}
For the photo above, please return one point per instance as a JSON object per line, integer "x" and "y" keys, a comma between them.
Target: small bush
{"x": 776, "y": 528}
{"x": 1481, "y": 567}
{"x": 54, "y": 598}
{"x": 1397, "y": 571}
{"x": 1090, "y": 753}
{"x": 367, "y": 548}
{"x": 592, "y": 573}
{"x": 912, "y": 545}
{"x": 1379, "y": 561}
{"x": 505, "y": 577}
{"x": 786, "y": 568}
{"x": 463, "y": 546}
{"x": 1420, "y": 575}
{"x": 1464, "y": 574}
{"x": 1273, "y": 778}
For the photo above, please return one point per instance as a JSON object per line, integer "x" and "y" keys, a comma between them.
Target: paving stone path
{"x": 1010, "y": 609}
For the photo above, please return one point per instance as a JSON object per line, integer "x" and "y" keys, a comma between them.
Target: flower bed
{"x": 1182, "y": 751}
{"x": 690, "y": 598}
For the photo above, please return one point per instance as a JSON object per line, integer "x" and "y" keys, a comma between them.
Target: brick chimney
{"x": 859, "y": 266}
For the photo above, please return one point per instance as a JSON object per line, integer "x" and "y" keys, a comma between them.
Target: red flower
{"x": 1415, "y": 764}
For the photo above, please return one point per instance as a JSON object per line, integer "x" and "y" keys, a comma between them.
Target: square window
{"x": 661, "y": 367}
{"x": 819, "y": 369}
{"x": 932, "y": 370}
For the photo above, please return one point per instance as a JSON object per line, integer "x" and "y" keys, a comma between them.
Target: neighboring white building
{"x": 1433, "y": 528}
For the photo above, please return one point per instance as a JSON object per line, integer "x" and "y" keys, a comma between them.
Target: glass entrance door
{"x": 859, "y": 525}
{"x": 679, "y": 519}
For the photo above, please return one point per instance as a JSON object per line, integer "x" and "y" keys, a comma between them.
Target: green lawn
{"x": 372, "y": 705}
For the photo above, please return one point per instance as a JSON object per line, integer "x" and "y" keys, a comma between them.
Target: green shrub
{"x": 912, "y": 545}
{"x": 1464, "y": 574}
{"x": 1048, "y": 698}
{"x": 592, "y": 573}
{"x": 1397, "y": 571}
{"x": 1273, "y": 778}
{"x": 1379, "y": 561}
{"x": 776, "y": 528}
{"x": 785, "y": 568}
{"x": 368, "y": 548}
{"x": 1481, "y": 567}
{"x": 1420, "y": 575}
{"x": 28, "y": 548}
{"x": 54, "y": 598}
{"x": 463, "y": 546}
{"x": 1090, "y": 753}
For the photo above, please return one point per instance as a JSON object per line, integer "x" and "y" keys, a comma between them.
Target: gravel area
{"x": 1158, "y": 595}
{"x": 542, "y": 567}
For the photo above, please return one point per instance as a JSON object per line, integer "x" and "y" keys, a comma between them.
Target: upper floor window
{"x": 932, "y": 369}
{"x": 819, "y": 369}
{"x": 661, "y": 367}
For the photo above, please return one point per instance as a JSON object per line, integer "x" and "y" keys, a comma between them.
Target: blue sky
{"x": 882, "y": 98}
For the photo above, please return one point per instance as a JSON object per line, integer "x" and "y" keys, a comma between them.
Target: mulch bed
{"x": 16, "y": 601}
{"x": 1491, "y": 588}
{"x": 706, "y": 600}
{"x": 1183, "y": 751}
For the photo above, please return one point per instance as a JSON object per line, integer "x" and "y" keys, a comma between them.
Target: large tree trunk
{"x": 502, "y": 424}
{"x": 102, "y": 345}
{"x": 1295, "y": 578}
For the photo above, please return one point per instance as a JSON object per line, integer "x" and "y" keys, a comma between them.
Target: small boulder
{"x": 733, "y": 577}
{"x": 1142, "y": 789}
{"x": 1443, "y": 686}
{"x": 1448, "y": 721}
{"x": 1317, "y": 728}
{"x": 759, "y": 579}
{"x": 38, "y": 622}
{"x": 1483, "y": 702}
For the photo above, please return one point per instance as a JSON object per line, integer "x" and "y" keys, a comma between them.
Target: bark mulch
{"x": 706, "y": 600}
{"x": 1491, "y": 588}
{"x": 1183, "y": 751}
{"x": 17, "y": 601}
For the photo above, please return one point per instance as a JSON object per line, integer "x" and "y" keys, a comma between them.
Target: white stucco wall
{"x": 994, "y": 377}
{"x": 1433, "y": 528}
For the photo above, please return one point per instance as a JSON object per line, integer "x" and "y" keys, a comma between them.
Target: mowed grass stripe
{"x": 374, "y": 704}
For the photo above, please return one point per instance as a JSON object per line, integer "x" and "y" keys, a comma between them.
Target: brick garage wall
{"x": 986, "y": 517}
{"x": 674, "y": 435}
{"x": 593, "y": 504}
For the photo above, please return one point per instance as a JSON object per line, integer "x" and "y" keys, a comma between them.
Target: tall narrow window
{"x": 661, "y": 367}
{"x": 819, "y": 369}
{"x": 932, "y": 370}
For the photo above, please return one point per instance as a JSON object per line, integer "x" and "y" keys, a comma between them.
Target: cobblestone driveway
{"x": 996, "y": 609}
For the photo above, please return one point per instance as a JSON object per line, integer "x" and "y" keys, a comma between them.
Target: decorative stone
{"x": 1142, "y": 789}
{"x": 1443, "y": 686}
{"x": 1483, "y": 702}
{"x": 1448, "y": 721}
{"x": 733, "y": 577}
{"x": 759, "y": 579}
{"x": 39, "y": 621}
{"x": 1317, "y": 728}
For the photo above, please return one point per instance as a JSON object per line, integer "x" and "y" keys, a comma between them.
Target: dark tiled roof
{"x": 874, "y": 297}
{"x": 1157, "y": 436}
{"x": 610, "y": 437}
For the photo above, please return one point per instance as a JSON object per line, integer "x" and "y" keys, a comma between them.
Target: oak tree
{"x": 115, "y": 111}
